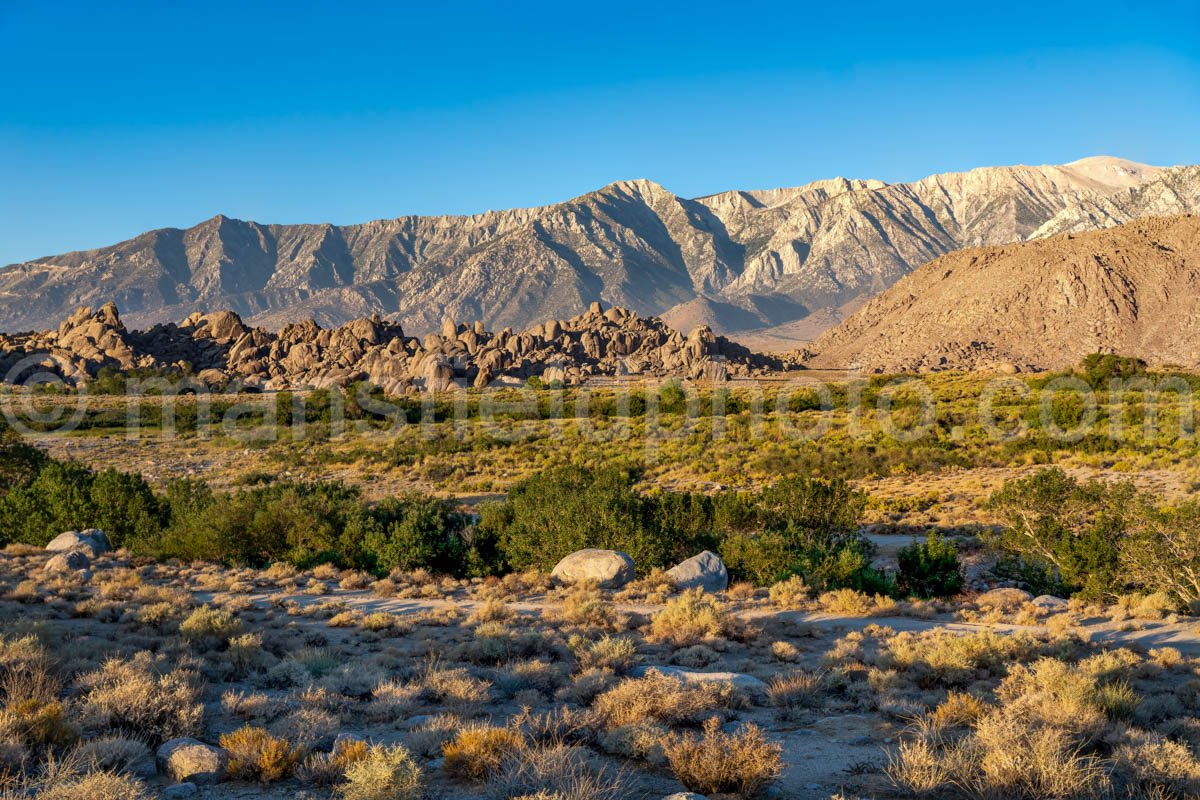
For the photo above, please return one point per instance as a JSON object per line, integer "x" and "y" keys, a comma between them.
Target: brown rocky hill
{"x": 218, "y": 349}
{"x": 1132, "y": 289}
{"x": 741, "y": 259}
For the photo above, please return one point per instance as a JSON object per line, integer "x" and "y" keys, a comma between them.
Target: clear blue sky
{"x": 117, "y": 117}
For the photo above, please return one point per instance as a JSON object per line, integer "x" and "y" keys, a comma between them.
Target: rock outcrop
{"x": 1132, "y": 290}
{"x": 752, "y": 259}
{"x": 219, "y": 349}
{"x": 610, "y": 569}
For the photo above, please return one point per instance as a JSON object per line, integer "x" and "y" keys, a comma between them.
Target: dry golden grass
{"x": 714, "y": 762}
{"x": 254, "y": 754}
{"x": 662, "y": 698}
{"x": 691, "y": 618}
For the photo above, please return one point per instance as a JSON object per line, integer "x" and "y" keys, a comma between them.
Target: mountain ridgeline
{"x": 735, "y": 261}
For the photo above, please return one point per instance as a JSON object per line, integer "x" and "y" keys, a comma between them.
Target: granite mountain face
{"x": 737, "y": 260}
{"x": 1133, "y": 290}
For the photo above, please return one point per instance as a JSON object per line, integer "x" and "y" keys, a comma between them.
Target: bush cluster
{"x": 1096, "y": 539}
{"x": 799, "y": 526}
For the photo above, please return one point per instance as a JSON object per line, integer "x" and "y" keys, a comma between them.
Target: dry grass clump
{"x": 491, "y": 610}
{"x": 135, "y": 696}
{"x": 111, "y": 753}
{"x": 1157, "y": 766}
{"x": 790, "y": 594}
{"x": 254, "y": 754}
{"x": 797, "y": 692}
{"x": 851, "y": 603}
{"x": 691, "y": 618}
{"x": 583, "y": 604}
{"x": 608, "y": 652}
{"x": 477, "y": 750}
{"x": 384, "y": 773}
{"x": 667, "y": 699}
{"x": 1153, "y": 606}
{"x": 653, "y": 588}
{"x": 207, "y": 622}
{"x": 452, "y": 686}
{"x": 329, "y": 769}
{"x": 714, "y": 762}
{"x": 94, "y": 786}
{"x": 1041, "y": 741}
{"x": 940, "y": 657}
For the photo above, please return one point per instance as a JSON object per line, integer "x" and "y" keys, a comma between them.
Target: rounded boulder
{"x": 611, "y": 569}
{"x": 91, "y": 540}
{"x": 704, "y": 571}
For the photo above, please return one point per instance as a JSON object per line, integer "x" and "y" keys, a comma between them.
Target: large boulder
{"x": 91, "y": 540}
{"x": 704, "y": 571}
{"x": 611, "y": 569}
{"x": 194, "y": 761}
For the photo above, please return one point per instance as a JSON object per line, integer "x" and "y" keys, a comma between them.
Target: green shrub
{"x": 930, "y": 568}
{"x": 1070, "y": 528}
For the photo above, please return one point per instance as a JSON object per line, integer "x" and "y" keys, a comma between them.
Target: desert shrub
{"x": 797, "y": 691}
{"x": 116, "y": 753}
{"x": 68, "y": 496}
{"x": 1099, "y": 369}
{"x": 1161, "y": 553}
{"x": 930, "y": 568}
{"x": 40, "y": 724}
{"x": 565, "y": 509}
{"x": 691, "y": 617}
{"x": 1158, "y": 766}
{"x": 385, "y": 773}
{"x": 712, "y": 762}
{"x": 607, "y": 652}
{"x": 254, "y": 754}
{"x": 791, "y": 593}
{"x": 132, "y": 696}
{"x": 940, "y": 657}
{"x": 477, "y": 750}
{"x": 210, "y": 623}
{"x": 95, "y": 786}
{"x": 295, "y": 522}
{"x": 761, "y": 558}
{"x": 329, "y": 769}
{"x": 853, "y": 603}
{"x": 1053, "y": 521}
{"x": 406, "y": 533}
{"x": 667, "y": 699}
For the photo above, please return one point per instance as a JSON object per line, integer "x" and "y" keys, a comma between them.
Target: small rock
{"x": 611, "y": 569}
{"x": 192, "y": 761}
{"x": 704, "y": 571}
{"x": 685, "y": 796}
{"x": 179, "y": 791}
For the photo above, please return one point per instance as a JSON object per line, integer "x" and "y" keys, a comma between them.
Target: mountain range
{"x": 781, "y": 263}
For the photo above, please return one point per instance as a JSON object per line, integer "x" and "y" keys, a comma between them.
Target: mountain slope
{"x": 1132, "y": 289}
{"x": 777, "y": 255}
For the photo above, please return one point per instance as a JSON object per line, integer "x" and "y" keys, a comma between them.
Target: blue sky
{"x": 117, "y": 117}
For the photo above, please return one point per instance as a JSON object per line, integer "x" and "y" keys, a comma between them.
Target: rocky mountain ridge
{"x": 220, "y": 350}
{"x": 752, "y": 259}
{"x": 1133, "y": 289}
